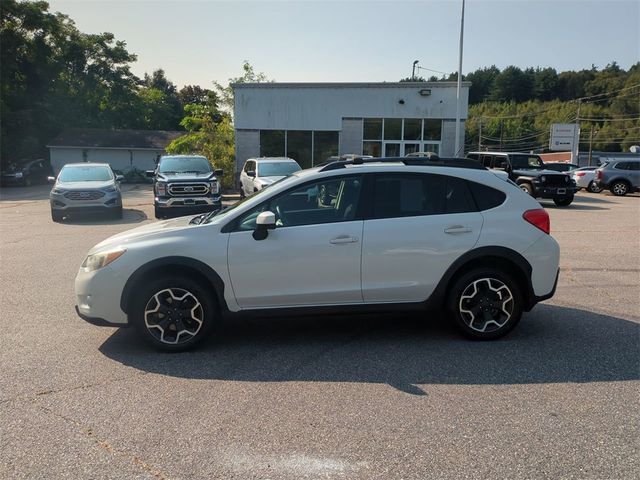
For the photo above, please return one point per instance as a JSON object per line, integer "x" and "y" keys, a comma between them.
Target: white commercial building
{"x": 311, "y": 121}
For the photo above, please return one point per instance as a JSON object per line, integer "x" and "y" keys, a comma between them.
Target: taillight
{"x": 598, "y": 174}
{"x": 538, "y": 218}
{"x": 580, "y": 174}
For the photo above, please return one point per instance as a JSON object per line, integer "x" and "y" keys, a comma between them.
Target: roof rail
{"x": 421, "y": 161}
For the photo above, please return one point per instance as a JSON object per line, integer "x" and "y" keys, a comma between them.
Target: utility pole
{"x": 413, "y": 71}
{"x": 458, "y": 106}
{"x": 501, "y": 133}
{"x": 480, "y": 135}
{"x": 590, "y": 144}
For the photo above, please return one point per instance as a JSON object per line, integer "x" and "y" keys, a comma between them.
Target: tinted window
{"x": 499, "y": 162}
{"x": 458, "y": 198}
{"x": 486, "y": 197}
{"x": 327, "y": 201}
{"x": 526, "y": 161}
{"x": 277, "y": 169}
{"x": 635, "y": 166}
{"x": 486, "y": 160}
{"x": 184, "y": 165}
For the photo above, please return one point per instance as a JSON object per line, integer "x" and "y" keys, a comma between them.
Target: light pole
{"x": 458, "y": 106}
{"x": 413, "y": 71}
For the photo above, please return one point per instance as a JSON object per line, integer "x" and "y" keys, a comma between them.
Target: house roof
{"x": 104, "y": 138}
{"x": 349, "y": 85}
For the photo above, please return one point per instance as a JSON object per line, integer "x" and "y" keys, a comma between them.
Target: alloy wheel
{"x": 173, "y": 316}
{"x": 486, "y": 305}
{"x": 620, "y": 188}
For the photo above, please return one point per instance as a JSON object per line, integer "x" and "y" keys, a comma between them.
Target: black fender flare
{"x": 174, "y": 261}
{"x": 524, "y": 268}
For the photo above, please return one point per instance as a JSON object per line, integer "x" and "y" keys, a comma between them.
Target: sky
{"x": 197, "y": 42}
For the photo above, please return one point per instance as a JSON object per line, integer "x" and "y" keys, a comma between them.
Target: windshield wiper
{"x": 168, "y": 171}
{"x": 193, "y": 171}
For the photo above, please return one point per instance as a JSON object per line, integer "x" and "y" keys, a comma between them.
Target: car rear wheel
{"x": 619, "y": 188}
{"x": 594, "y": 187}
{"x": 485, "y": 303}
{"x": 564, "y": 201}
{"x": 173, "y": 313}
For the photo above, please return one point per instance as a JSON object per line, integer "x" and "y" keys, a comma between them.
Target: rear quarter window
{"x": 486, "y": 197}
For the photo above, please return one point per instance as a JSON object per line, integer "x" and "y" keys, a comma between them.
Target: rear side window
{"x": 486, "y": 197}
{"x": 416, "y": 195}
{"x": 623, "y": 166}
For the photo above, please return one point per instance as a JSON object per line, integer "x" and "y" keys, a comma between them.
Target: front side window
{"x": 85, "y": 174}
{"x": 526, "y": 162}
{"x": 327, "y": 201}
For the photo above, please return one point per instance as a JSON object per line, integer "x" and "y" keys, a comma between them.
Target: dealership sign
{"x": 564, "y": 137}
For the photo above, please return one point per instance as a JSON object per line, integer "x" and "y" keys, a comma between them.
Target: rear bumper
{"x": 547, "y": 296}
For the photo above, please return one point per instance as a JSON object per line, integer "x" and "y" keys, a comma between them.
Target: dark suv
{"x": 185, "y": 185}
{"x": 528, "y": 171}
{"x": 619, "y": 176}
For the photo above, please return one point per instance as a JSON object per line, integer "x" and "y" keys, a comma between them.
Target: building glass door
{"x": 392, "y": 149}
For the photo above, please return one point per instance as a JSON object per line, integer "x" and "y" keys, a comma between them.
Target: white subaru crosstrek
{"x": 372, "y": 235}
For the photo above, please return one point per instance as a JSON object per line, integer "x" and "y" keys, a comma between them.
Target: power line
{"x": 606, "y": 94}
{"x": 629, "y": 119}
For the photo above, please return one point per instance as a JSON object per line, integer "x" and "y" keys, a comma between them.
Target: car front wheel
{"x": 485, "y": 303}
{"x": 173, "y": 313}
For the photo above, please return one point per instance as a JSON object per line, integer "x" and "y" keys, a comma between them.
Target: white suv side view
{"x": 258, "y": 173}
{"x": 357, "y": 235}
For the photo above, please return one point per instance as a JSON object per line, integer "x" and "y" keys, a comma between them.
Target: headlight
{"x": 99, "y": 260}
{"x": 58, "y": 191}
{"x": 161, "y": 188}
{"x": 110, "y": 189}
{"x": 214, "y": 187}
{"x": 19, "y": 175}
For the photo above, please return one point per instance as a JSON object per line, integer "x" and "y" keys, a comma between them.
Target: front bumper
{"x": 60, "y": 203}
{"x": 98, "y": 297}
{"x": 11, "y": 179}
{"x": 180, "y": 206}
{"x": 554, "y": 192}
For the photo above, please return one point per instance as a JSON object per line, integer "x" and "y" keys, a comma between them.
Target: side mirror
{"x": 119, "y": 178}
{"x": 251, "y": 173}
{"x": 218, "y": 172}
{"x": 151, "y": 173}
{"x": 266, "y": 221}
{"x": 51, "y": 179}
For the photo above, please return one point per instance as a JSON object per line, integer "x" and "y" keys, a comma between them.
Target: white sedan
{"x": 584, "y": 178}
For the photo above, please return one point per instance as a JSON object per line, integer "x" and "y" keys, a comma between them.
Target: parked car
{"x": 560, "y": 166}
{"x": 258, "y": 173}
{"x": 401, "y": 234}
{"x": 27, "y": 172}
{"x": 529, "y": 173}
{"x": 85, "y": 188}
{"x": 585, "y": 178}
{"x": 619, "y": 176}
{"x": 185, "y": 185}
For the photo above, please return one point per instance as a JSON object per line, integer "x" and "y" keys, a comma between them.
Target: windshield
{"x": 226, "y": 210}
{"x": 185, "y": 165}
{"x": 277, "y": 169}
{"x": 526, "y": 161}
{"x": 81, "y": 173}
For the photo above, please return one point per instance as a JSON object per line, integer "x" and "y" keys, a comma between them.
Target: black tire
{"x": 527, "y": 188}
{"x": 594, "y": 187}
{"x": 117, "y": 213}
{"x": 56, "y": 216}
{"x": 564, "y": 201}
{"x": 242, "y": 195}
{"x": 145, "y": 299}
{"x": 497, "y": 322}
{"x": 619, "y": 188}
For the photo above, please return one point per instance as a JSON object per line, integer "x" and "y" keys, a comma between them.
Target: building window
{"x": 299, "y": 147}
{"x": 432, "y": 129}
{"x": 325, "y": 145}
{"x": 272, "y": 143}
{"x": 372, "y": 148}
{"x": 372, "y": 129}
{"x": 412, "y": 129}
{"x": 393, "y": 129}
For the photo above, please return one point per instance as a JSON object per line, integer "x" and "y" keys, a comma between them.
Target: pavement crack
{"x": 105, "y": 445}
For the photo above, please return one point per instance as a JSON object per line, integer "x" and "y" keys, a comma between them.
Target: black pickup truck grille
{"x": 188, "y": 189}
{"x": 556, "y": 181}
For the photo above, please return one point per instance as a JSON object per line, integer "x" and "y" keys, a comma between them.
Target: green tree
{"x": 225, "y": 94}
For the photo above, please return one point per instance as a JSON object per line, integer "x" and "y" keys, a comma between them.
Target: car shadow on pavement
{"x": 552, "y": 344}
{"x": 129, "y": 215}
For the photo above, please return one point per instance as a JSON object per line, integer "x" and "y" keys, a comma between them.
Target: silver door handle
{"x": 343, "y": 239}
{"x": 457, "y": 229}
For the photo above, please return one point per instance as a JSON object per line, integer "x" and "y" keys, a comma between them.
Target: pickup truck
{"x": 185, "y": 185}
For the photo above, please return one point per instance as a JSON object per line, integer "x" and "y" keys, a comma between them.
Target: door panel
{"x": 403, "y": 259}
{"x": 302, "y": 265}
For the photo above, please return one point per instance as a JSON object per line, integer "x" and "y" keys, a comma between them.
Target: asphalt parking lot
{"x": 371, "y": 397}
